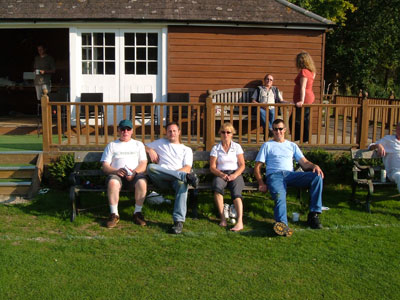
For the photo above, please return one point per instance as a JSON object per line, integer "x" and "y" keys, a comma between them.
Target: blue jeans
{"x": 165, "y": 180}
{"x": 279, "y": 181}
{"x": 264, "y": 118}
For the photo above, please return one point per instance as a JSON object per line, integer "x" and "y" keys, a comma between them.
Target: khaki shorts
{"x": 125, "y": 184}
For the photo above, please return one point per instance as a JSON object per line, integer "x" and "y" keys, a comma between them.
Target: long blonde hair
{"x": 305, "y": 61}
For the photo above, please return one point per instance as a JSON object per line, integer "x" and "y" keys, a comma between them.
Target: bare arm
{"x": 240, "y": 169}
{"x": 186, "y": 169}
{"x": 379, "y": 148}
{"x": 262, "y": 187}
{"x": 303, "y": 84}
{"x": 214, "y": 170}
{"x": 152, "y": 154}
{"x": 108, "y": 170}
{"x": 308, "y": 165}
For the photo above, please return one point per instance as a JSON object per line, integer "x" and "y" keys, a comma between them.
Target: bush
{"x": 337, "y": 167}
{"x": 60, "y": 170}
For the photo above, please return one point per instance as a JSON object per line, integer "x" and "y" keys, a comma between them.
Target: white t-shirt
{"x": 118, "y": 154}
{"x": 172, "y": 156}
{"x": 392, "y": 157}
{"x": 279, "y": 156}
{"x": 227, "y": 161}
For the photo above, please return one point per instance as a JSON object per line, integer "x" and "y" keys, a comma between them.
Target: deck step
{"x": 20, "y": 172}
{"x": 17, "y": 172}
{"x": 15, "y": 188}
{"x": 18, "y": 157}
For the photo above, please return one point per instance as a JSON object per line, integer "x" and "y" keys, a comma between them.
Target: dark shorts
{"x": 128, "y": 185}
{"x": 235, "y": 187}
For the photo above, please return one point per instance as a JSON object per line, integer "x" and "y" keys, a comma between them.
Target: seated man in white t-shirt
{"x": 170, "y": 168}
{"x": 278, "y": 156}
{"x": 388, "y": 147}
{"x": 125, "y": 161}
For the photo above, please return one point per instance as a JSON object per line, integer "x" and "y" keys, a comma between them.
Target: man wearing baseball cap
{"x": 124, "y": 162}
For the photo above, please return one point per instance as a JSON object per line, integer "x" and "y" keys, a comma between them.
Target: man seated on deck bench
{"x": 278, "y": 155}
{"x": 388, "y": 147}
{"x": 170, "y": 169}
{"x": 125, "y": 161}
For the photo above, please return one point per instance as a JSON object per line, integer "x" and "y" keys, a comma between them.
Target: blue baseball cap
{"x": 125, "y": 123}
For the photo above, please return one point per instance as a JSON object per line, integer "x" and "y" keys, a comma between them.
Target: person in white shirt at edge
{"x": 278, "y": 156}
{"x": 171, "y": 168}
{"x": 125, "y": 161}
{"x": 388, "y": 147}
{"x": 227, "y": 164}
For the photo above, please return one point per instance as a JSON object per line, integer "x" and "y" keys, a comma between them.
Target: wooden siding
{"x": 204, "y": 58}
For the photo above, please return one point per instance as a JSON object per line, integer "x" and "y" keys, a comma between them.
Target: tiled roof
{"x": 204, "y": 11}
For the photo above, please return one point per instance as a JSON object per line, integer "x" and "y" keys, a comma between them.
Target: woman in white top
{"x": 227, "y": 164}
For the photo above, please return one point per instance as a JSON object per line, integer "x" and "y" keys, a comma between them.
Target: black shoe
{"x": 313, "y": 220}
{"x": 192, "y": 179}
{"x": 177, "y": 228}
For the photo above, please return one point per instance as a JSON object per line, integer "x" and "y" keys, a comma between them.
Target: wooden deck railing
{"x": 91, "y": 125}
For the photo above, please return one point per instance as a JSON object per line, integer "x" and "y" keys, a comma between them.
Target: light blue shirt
{"x": 279, "y": 156}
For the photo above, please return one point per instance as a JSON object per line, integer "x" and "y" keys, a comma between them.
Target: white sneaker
{"x": 226, "y": 211}
{"x": 232, "y": 212}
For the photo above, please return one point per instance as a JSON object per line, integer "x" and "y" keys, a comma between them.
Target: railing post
{"x": 44, "y": 101}
{"x": 210, "y": 123}
{"x": 364, "y": 123}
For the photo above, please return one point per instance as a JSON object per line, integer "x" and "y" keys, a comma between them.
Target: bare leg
{"x": 113, "y": 189}
{"x": 239, "y": 209}
{"x": 219, "y": 202}
{"x": 140, "y": 191}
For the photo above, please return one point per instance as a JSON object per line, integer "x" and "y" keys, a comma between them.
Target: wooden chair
{"x": 143, "y": 97}
{"x": 175, "y": 116}
{"x": 92, "y": 97}
{"x": 62, "y": 95}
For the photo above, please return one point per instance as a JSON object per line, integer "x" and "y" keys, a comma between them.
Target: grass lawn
{"x": 45, "y": 256}
{"x": 26, "y": 142}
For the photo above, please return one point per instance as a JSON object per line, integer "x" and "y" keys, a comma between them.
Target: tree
{"x": 334, "y": 10}
{"x": 364, "y": 47}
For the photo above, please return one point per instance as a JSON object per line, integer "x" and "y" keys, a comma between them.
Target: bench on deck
{"x": 231, "y": 96}
{"x": 367, "y": 174}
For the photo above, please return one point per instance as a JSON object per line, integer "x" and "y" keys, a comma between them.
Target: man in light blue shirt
{"x": 278, "y": 156}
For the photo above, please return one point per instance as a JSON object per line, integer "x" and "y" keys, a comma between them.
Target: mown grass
{"x": 28, "y": 142}
{"x": 45, "y": 256}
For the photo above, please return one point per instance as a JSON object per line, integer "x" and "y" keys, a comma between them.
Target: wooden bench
{"x": 366, "y": 174}
{"x": 231, "y": 96}
{"x": 77, "y": 184}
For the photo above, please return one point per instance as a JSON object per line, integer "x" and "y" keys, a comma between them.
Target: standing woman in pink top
{"x": 303, "y": 93}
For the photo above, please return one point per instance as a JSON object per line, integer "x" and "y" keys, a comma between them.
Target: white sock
{"x": 138, "y": 208}
{"x": 114, "y": 209}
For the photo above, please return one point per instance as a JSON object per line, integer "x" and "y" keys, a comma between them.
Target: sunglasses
{"x": 268, "y": 79}
{"x": 278, "y": 128}
{"x": 226, "y": 132}
{"x": 126, "y": 129}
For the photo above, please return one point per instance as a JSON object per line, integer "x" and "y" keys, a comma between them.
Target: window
{"x": 141, "y": 53}
{"x": 98, "y": 53}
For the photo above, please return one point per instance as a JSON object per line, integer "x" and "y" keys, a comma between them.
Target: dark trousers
{"x": 306, "y": 124}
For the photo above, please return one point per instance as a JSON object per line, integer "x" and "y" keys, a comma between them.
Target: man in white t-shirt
{"x": 278, "y": 155}
{"x": 388, "y": 147}
{"x": 171, "y": 168}
{"x": 125, "y": 161}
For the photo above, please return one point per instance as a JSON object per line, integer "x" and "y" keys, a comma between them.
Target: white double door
{"x": 119, "y": 62}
